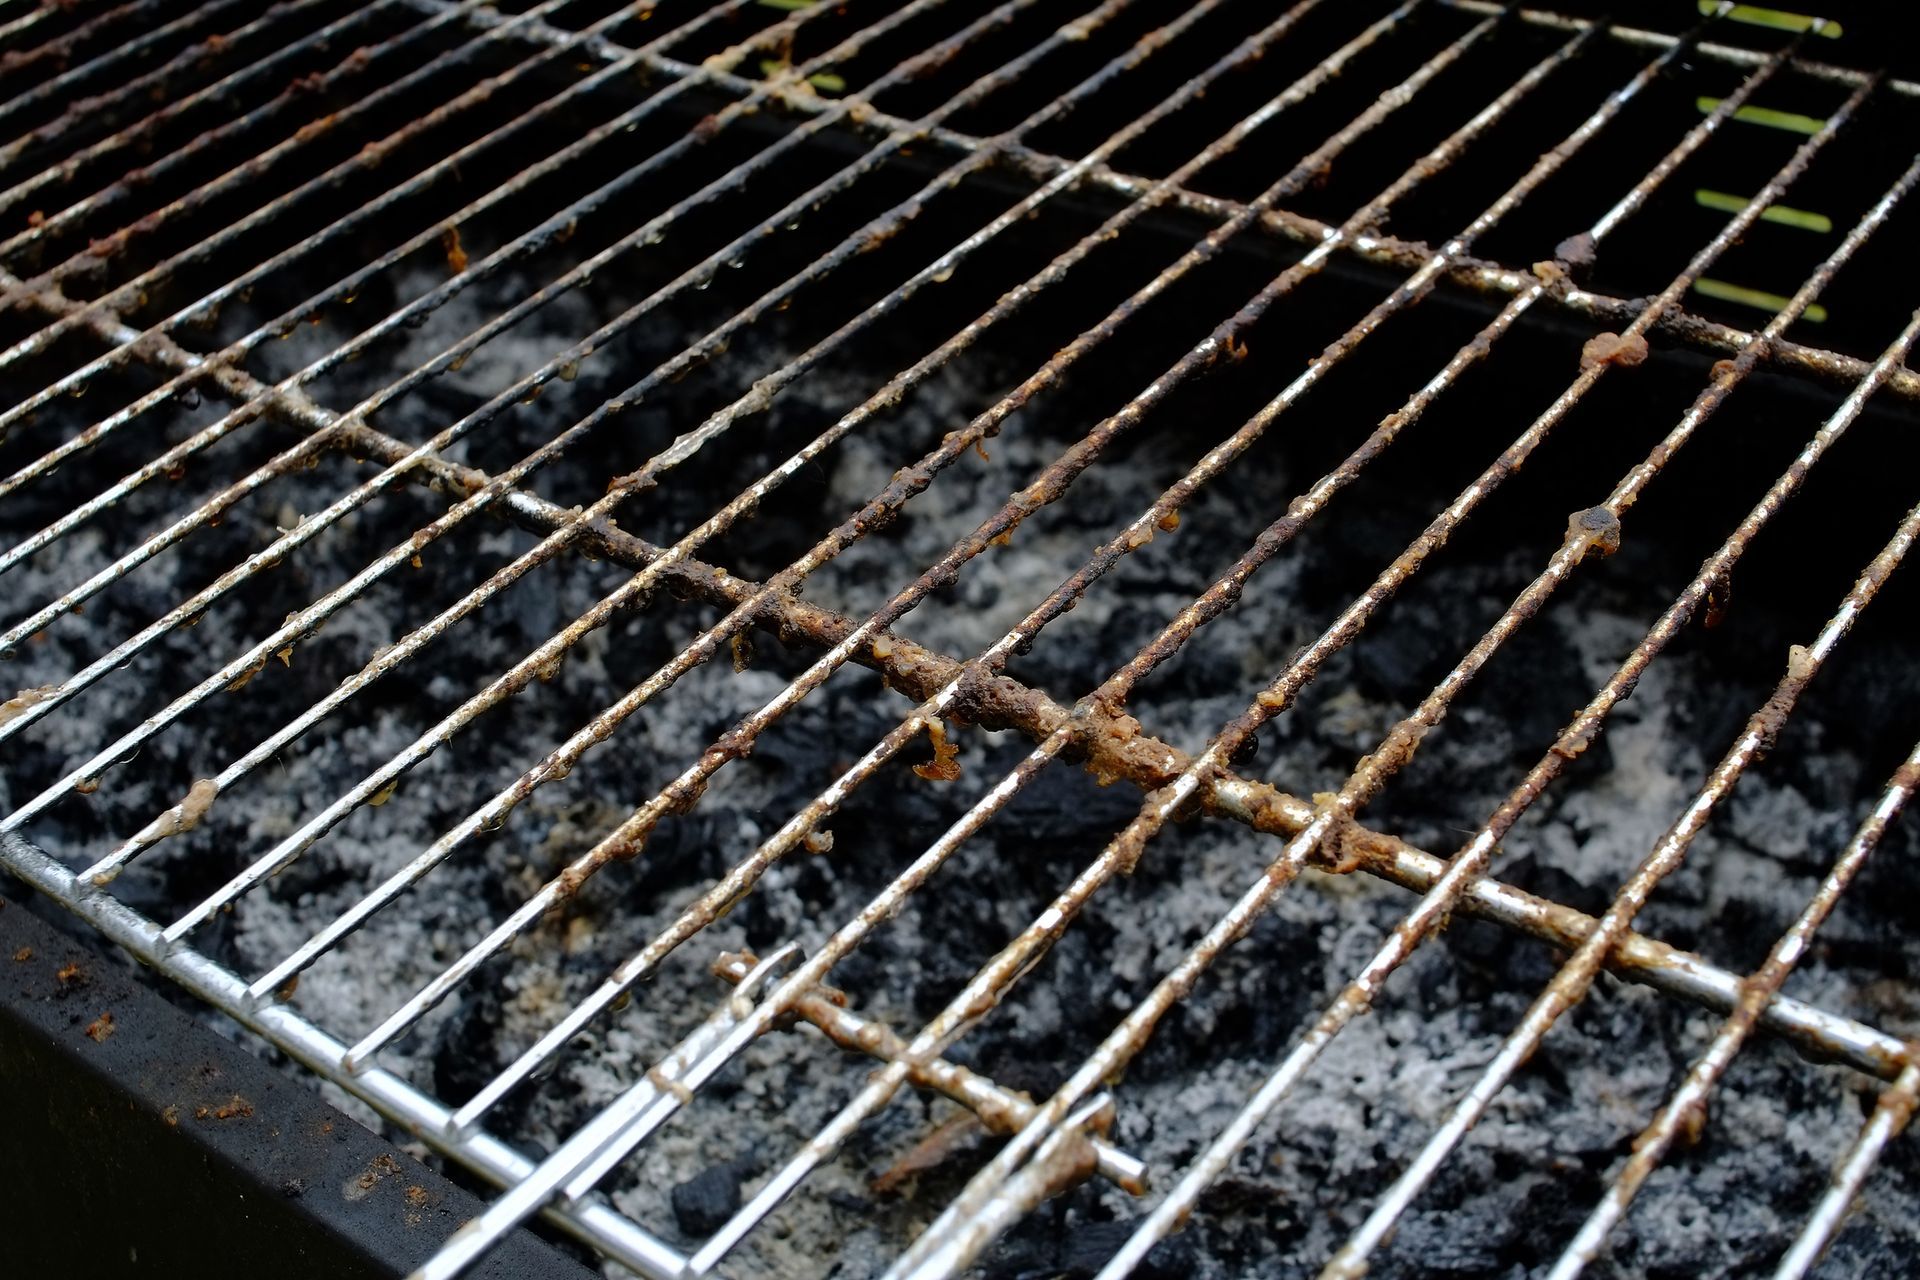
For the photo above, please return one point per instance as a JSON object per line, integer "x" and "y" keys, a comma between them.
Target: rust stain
{"x": 456, "y": 255}
{"x": 234, "y": 1108}
{"x": 1611, "y": 348}
{"x": 958, "y": 1136}
{"x": 944, "y": 767}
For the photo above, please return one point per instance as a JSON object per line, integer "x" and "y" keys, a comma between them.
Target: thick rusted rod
{"x": 1001, "y": 1110}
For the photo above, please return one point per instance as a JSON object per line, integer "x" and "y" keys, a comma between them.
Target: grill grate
{"x": 181, "y": 209}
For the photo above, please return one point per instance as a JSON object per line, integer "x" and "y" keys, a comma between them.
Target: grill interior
{"x": 1035, "y": 639}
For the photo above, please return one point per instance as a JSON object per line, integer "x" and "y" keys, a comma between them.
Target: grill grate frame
{"x": 1048, "y": 1138}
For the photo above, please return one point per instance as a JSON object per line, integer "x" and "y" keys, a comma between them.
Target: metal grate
{"x": 186, "y": 186}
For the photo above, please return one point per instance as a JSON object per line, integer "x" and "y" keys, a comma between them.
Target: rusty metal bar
{"x": 26, "y": 21}
{"x": 825, "y": 1141}
{"x": 1686, "y": 1110}
{"x": 1465, "y": 867}
{"x": 94, "y": 257}
{"x": 999, "y": 1109}
{"x": 949, "y": 1242}
{"x": 261, "y": 69}
{"x": 570, "y": 1172}
{"x": 1000, "y": 702}
{"x": 1575, "y": 978}
{"x": 626, "y": 840}
{"x": 108, "y": 58}
{"x": 1040, "y": 1177}
{"x": 1815, "y": 1033}
{"x": 850, "y": 529}
{"x": 1484, "y": 276}
{"x": 551, "y": 652}
{"x": 61, "y": 47}
{"x": 1856, "y": 1044}
{"x": 236, "y": 352}
{"x": 407, "y": 1107}
{"x": 1890, "y": 1116}
{"x": 1478, "y": 274}
{"x": 258, "y": 400}
{"x": 1733, "y": 55}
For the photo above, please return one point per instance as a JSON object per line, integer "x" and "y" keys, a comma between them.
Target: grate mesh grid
{"x": 218, "y": 227}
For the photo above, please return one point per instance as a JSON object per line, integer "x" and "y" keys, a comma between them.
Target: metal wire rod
{"x": 262, "y": 70}
{"x": 258, "y": 402}
{"x": 998, "y": 1109}
{"x": 528, "y": 667}
{"x": 1890, "y": 1115}
{"x": 408, "y": 1108}
{"x": 783, "y": 1182}
{"x": 572, "y": 1169}
{"x": 1575, "y": 978}
{"x": 108, "y": 58}
{"x": 93, "y": 259}
{"x": 625, "y": 840}
{"x": 948, "y": 1243}
{"x": 851, "y": 529}
{"x": 1686, "y": 1110}
{"x": 1733, "y": 55}
{"x": 1674, "y": 846}
{"x": 1464, "y": 871}
{"x": 1478, "y": 274}
{"x": 235, "y": 353}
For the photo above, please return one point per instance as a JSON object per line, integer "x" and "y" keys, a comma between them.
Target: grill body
{"x": 951, "y": 636}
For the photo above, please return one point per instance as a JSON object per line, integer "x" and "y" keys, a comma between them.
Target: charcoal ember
{"x": 1074, "y": 1250}
{"x": 703, "y": 1203}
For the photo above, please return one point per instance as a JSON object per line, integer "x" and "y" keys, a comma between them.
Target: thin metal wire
{"x": 1143, "y": 759}
{"x": 783, "y": 1182}
{"x": 690, "y": 921}
{"x": 257, "y": 401}
{"x": 1575, "y": 978}
{"x": 527, "y": 668}
{"x": 450, "y": 166}
{"x": 1061, "y": 1150}
{"x": 1389, "y": 250}
{"x": 314, "y": 1049}
{"x": 579, "y": 1162}
{"x": 94, "y": 258}
{"x": 1890, "y": 1115}
{"x": 949, "y": 1241}
{"x": 881, "y": 399}
{"x": 1733, "y": 55}
{"x": 257, "y": 404}
{"x": 998, "y": 1109}
{"x": 1449, "y": 888}
{"x": 261, "y": 70}
{"x": 625, "y": 840}
{"x": 110, "y": 57}
{"x": 1686, "y": 1110}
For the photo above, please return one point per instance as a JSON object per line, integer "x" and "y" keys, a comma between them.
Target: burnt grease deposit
{"x": 1510, "y": 1198}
